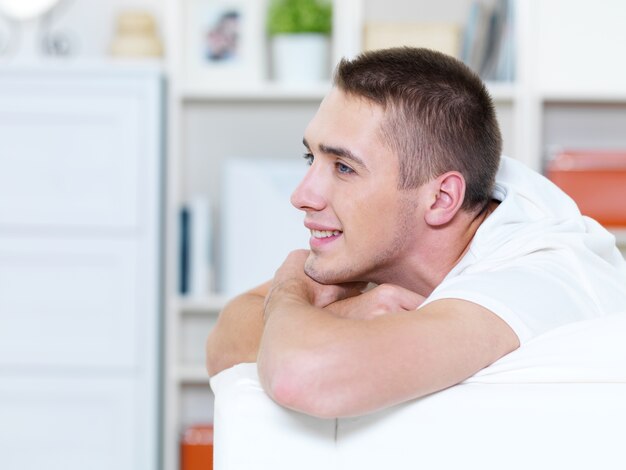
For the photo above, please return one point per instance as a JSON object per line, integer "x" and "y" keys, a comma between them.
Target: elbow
{"x": 300, "y": 384}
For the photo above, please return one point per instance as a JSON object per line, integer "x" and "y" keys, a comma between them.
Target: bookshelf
{"x": 205, "y": 125}
{"x": 208, "y": 124}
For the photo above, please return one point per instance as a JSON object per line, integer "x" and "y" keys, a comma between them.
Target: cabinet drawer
{"x": 71, "y": 424}
{"x": 68, "y": 302}
{"x": 72, "y": 151}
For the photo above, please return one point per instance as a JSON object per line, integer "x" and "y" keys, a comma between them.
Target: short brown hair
{"x": 440, "y": 116}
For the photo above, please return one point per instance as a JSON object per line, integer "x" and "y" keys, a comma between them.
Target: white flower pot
{"x": 300, "y": 58}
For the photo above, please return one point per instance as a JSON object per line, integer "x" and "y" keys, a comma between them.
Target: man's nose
{"x": 309, "y": 195}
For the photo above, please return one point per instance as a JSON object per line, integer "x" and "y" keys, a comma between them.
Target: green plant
{"x": 299, "y": 16}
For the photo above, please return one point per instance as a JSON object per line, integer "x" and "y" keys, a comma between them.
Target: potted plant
{"x": 299, "y": 32}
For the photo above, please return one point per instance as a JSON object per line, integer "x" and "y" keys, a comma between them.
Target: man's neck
{"x": 438, "y": 251}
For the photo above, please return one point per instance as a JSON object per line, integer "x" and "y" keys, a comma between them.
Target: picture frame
{"x": 224, "y": 42}
{"x": 260, "y": 188}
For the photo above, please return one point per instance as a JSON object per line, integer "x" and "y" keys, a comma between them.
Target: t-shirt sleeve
{"x": 531, "y": 298}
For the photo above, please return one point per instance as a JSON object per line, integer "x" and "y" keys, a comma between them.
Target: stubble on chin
{"x": 327, "y": 277}
{"x": 309, "y": 268}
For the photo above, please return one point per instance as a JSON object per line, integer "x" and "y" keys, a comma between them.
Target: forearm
{"x": 374, "y": 350}
{"x": 236, "y": 336}
{"x": 298, "y": 345}
{"x": 320, "y": 361}
{"x": 291, "y": 323}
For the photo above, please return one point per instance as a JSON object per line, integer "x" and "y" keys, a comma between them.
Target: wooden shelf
{"x": 500, "y": 92}
{"x": 256, "y": 92}
{"x": 193, "y": 374}
{"x": 584, "y": 96}
{"x": 211, "y": 304}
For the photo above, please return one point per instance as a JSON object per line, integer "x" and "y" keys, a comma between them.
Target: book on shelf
{"x": 474, "y": 42}
{"x": 442, "y": 37}
{"x": 488, "y": 45}
{"x": 183, "y": 251}
{"x": 195, "y": 260}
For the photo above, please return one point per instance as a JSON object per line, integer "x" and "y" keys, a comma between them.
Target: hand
{"x": 320, "y": 295}
{"x": 381, "y": 300}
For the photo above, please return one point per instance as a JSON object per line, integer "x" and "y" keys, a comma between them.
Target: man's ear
{"x": 449, "y": 192}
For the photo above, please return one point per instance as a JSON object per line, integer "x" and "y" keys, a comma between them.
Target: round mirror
{"x": 26, "y": 9}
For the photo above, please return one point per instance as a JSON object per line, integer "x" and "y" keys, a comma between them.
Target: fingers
{"x": 379, "y": 300}
{"x": 389, "y": 298}
{"x": 409, "y": 300}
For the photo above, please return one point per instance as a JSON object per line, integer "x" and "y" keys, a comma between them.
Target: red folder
{"x": 596, "y": 180}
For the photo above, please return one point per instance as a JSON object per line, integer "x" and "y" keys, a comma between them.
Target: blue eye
{"x": 309, "y": 158}
{"x": 345, "y": 169}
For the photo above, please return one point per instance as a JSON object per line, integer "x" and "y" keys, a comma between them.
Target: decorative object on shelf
{"x": 22, "y": 13}
{"x": 299, "y": 32}
{"x": 136, "y": 36}
{"x": 196, "y": 452}
{"x": 442, "y": 37}
{"x": 224, "y": 42}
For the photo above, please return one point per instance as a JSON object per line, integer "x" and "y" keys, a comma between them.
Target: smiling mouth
{"x": 325, "y": 233}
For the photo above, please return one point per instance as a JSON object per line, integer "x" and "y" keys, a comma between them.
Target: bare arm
{"x": 237, "y": 334}
{"x": 315, "y": 362}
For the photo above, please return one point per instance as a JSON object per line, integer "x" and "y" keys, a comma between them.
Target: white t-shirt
{"x": 536, "y": 261}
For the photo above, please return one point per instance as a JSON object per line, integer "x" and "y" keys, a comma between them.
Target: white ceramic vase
{"x": 300, "y": 58}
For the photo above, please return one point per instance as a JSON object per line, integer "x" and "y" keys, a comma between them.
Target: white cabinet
{"x": 80, "y": 223}
{"x": 64, "y": 421}
{"x": 68, "y": 302}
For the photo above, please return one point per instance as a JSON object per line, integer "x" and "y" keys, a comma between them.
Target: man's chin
{"x": 311, "y": 271}
{"x": 325, "y": 275}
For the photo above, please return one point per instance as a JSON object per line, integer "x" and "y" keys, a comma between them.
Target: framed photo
{"x": 259, "y": 188}
{"x": 224, "y": 42}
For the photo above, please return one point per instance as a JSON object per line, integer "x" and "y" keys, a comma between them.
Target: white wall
{"x": 89, "y": 23}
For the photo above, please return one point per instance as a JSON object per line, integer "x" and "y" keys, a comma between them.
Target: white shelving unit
{"x": 188, "y": 320}
{"x": 207, "y": 125}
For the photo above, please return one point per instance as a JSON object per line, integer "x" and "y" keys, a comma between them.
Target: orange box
{"x": 196, "y": 449}
{"x": 596, "y": 180}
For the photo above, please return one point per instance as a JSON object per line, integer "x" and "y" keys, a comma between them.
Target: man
{"x": 407, "y": 192}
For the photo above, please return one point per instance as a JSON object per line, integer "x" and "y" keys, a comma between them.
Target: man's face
{"x": 361, "y": 225}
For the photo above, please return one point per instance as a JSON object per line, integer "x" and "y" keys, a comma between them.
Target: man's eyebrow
{"x": 340, "y": 152}
{"x": 344, "y": 153}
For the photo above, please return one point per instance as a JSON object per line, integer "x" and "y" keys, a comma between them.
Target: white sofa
{"x": 558, "y": 402}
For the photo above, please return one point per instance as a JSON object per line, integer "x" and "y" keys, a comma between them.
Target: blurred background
{"x": 147, "y": 152}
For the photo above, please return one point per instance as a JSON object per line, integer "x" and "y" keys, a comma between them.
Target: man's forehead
{"x": 346, "y": 114}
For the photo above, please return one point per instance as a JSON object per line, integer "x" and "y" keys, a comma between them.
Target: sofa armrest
{"x": 557, "y": 402}
{"x": 253, "y": 432}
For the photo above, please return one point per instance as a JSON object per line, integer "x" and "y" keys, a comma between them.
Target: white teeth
{"x": 325, "y": 233}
